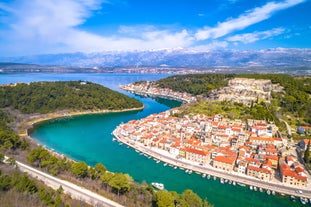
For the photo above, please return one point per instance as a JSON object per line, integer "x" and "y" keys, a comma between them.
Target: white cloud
{"x": 255, "y": 36}
{"x": 249, "y": 18}
{"x": 54, "y": 26}
{"x": 51, "y": 26}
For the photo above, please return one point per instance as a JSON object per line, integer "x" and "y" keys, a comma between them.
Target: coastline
{"x": 37, "y": 119}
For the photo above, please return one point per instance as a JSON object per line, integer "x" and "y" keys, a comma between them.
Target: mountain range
{"x": 277, "y": 57}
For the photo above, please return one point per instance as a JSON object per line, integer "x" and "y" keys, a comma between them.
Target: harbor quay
{"x": 240, "y": 179}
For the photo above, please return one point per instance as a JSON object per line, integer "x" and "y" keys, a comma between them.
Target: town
{"x": 232, "y": 146}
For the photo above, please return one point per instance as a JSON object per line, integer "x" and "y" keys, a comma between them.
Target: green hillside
{"x": 44, "y": 97}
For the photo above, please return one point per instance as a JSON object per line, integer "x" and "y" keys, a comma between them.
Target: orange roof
{"x": 223, "y": 159}
{"x": 286, "y": 171}
{"x": 195, "y": 151}
{"x": 258, "y": 169}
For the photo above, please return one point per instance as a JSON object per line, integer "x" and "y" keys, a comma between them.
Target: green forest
{"x": 44, "y": 97}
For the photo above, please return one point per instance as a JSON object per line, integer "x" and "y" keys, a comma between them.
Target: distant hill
{"x": 277, "y": 57}
{"x": 8, "y": 67}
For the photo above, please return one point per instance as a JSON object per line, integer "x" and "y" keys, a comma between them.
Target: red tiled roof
{"x": 258, "y": 169}
{"x": 286, "y": 171}
{"x": 223, "y": 159}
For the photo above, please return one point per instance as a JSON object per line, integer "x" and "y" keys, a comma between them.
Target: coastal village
{"x": 250, "y": 148}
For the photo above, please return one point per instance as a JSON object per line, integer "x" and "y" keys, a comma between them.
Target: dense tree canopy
{"x": 44, "y": 97}
{"x": 196, "y": 84}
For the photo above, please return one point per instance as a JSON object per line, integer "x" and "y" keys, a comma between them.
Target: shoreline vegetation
{"x": 38, "y": 119}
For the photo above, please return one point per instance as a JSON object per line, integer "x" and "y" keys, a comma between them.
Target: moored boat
{"x": 159, "y": 186}
{"x": 203, "y": 175}
{"x": 303, "y": 200}
{"x": 293, "y": 198}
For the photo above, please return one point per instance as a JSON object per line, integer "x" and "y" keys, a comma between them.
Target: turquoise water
{"x": 88, "y": 138}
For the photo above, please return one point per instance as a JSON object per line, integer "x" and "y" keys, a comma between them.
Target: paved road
{"x": 209, "y": 170}
{"x": 73, "y": 190}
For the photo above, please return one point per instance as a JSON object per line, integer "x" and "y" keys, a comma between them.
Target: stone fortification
{"x": 244, "y": 90}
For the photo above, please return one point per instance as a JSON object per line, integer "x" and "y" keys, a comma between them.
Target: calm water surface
{"x": 88, "y": 138}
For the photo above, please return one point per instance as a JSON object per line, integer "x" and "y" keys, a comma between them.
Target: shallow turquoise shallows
{"x": 88, "y": 138}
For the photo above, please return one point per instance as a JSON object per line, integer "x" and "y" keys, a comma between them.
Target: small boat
{"x": 303, "y": 200}
{"x": 241, "y": 184}
{"x": 268, "y": 192}
{"x": 230, "y": 182}
{"x": 214, "y": 177}
{"x": 164, "y": 164}
{"x": 273, "y": 192}
{"x": 255, "y": 188}
{"x": 203, "y": 175}
{"x": 260, "y": 189}
{"x": 187, "y": 171}
{"x": 190, "y": 171}
{"x": 175, "y": 167}
{"x": 293, "y": 198}
{"x": 158, "y": 186}
{"x": 233, "y": 183}
{"x": 157, "y": 161}
{"x": 251, "y": 187}
{"x": 114, "y": 139}
{"x": 222, "y": 180}
{"x": 208, "y": 176}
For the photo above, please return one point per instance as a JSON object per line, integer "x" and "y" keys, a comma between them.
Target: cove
{"x": 88, "y": 138}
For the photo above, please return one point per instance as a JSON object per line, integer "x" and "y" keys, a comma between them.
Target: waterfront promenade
{"x": 166, "y": 157}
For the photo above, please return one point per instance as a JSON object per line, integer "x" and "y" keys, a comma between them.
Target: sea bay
{"x": 88, "y": 138}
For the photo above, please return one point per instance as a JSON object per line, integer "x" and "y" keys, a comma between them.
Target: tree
{"x": 106, "y": 177}
{"x": 307, "y": 153}
{"x": 192, "y": 199}
{"x": 100, "y": 168}
{"x": 120, "y": 183}
{"x": 79, "y": 169}
{"x": 164, "y": 199}
{"x": 37, "y": 155}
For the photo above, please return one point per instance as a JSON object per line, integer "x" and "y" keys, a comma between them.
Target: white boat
{"x": 241, "y": 184}
{"x": 157, "y": 161}
{"x": 159, "y": 186}
{"x": 175, "y": 167}
{"x": 268, "y": 192}
{"x": 165, "y": 164}
{"x": 293, "y": 198}
{"x": 303, "y": 200}
{"x": 255, "y": 188}
{"x": 222, "y": 180}
{"x": 273, "y": 192}
{"x": 190, "y": 171}
{"x": 251, "y": 187}
{"x": 233, "y": 183}
{"x": 203, "y": 175}
{"x": 260, "y": 189}
{"x": 208, "y": 176}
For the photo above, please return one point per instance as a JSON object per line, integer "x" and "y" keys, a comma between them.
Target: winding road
{"x": 73, "y": 190}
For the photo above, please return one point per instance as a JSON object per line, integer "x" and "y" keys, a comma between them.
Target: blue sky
{"x": 61, "y": 26}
